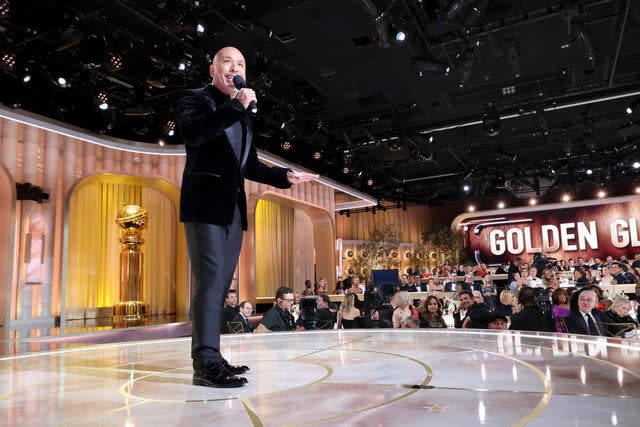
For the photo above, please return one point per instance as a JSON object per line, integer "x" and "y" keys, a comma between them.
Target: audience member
{"x": 430, "y": 313}
{"x": 450, "y": 283}
{"x": 505, "y": 306}
{"x": 467, "y": 310}
{"x": 279, "y": 317}
{"x": 616, "y": 320}
{"x": 339, "y": 288}
{"x": 580, "y": 277}
{"x": 410, "y": 322}
{"x": 308, "y": 289}
{"x": 619, "y": 274}
{"x": 348, "y": 314}
{"x": 497, "y": 321}
{"x": 517, "y": 283}
{"x": 489, "y": 292}
{"x": 402, "y": 309}
{"x": 243, "y": 315}
{"x": 533, "y": 280}
{"x": 530, "y": 318}
{"x": 585, "y": 320}
{"x": 513, "y": 269}
{"x": 229, "y": 311}
{"x": 561, "y": 308}
{"x": 326, "y": 318}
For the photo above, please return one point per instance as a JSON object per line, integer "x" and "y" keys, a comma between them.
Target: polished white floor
{"x": 352, "y": 378}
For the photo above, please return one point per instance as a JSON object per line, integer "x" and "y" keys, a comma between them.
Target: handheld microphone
{"x": 240, "y": 83}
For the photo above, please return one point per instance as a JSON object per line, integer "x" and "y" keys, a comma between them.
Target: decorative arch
{"x": 91, "y": 247}
{"x": 324, "y": 243}
{"x": 7, "y": 248}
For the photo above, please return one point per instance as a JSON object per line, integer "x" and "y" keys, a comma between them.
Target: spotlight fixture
{"x": 103, "y": 106}
{"x": 637, "y": 190}
{"x": 589, "y": 171}
{"x": 102, "y": 97}
{"x": 286, "y": 145}
{"x": 401, "y": 37}
{"x": 430, "y": 139}
{"x": 602, "y": 194}
{"x": 161, "y": 142}
{"x": 471, "y": 208}
{"x": 370, "y": 182}
{"x": 317, "y": 155}
{"x": 466, "y": 188}
{"x": 5, "y": 7}
{"x": 345, "y": 170}
{"x": 115, "y": 61}
{"x": 200, "y": 28}
{"x": 171, "y": 132}
{"x": 581, "y": 33}
{"x": 9, "y": 60}
{"x": 26, "y": 78}
{"x": 182, "y": 65}
{"x": 566, "y": 198}
{"x": 169, "y": 127}
{"x": 636, "y": 165}
{"x": 533, "y": 201}
{"x": 62, "y": 82}
{"x": 501, "y": 205}
{"x": 491, "y": 121}
{"x": 629, "y": 110}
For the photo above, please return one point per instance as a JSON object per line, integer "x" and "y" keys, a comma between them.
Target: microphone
{"x": 240, "y": 83}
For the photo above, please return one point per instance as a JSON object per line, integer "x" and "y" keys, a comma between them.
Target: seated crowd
{"x": 530, "y": 299}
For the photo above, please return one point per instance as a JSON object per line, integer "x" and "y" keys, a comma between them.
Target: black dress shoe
{"x": 235, "y": 369}
{"x": 216, "y": 376}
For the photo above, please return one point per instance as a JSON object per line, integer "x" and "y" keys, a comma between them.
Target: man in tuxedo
{"x": 326, "y": 318}
{"x": 469, "y": 313}
{"x": 243, "y": 315}
{"x": 229, "y": 311}
{"x": 450, "y": 284}
{"x": 587, "y": 320}
{"x": 216, "y": 130}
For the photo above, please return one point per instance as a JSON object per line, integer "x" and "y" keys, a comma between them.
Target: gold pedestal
{"x": 131, "y": 308}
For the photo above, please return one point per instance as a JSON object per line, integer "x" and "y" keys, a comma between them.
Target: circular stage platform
{"x": 356, "y": 378}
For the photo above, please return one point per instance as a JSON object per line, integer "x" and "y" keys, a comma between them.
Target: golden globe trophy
{"x": 131, "y": 308}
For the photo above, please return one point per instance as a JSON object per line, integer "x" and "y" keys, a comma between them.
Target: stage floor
{"x": 356, "y": 378}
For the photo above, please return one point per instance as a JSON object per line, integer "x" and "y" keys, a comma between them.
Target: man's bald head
{"x": 227, "y": 62}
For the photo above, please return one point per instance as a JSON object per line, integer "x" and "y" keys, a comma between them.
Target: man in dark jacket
{"x": 217, "y": 134}
{"x": 530, "y": 318}
{"x": 586, "y": 320}
{"x": 470, "y": 314}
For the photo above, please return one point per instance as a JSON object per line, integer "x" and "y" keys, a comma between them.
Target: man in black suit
{"x": 229, "y": 311}
{"x": 450, "y": 284}
{"x": 326, "y": 318}
{"x": 217, "y": 134}
{"x": 469, "y": 313}
{"x": 243, "y": 315}
{"x": 587, "y": 320}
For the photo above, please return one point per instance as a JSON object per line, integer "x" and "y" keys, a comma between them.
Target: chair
{"x": 235, "y": 327}
{"x": 618, "y": 329}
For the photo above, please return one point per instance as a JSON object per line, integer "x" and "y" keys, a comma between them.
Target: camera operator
{"x": 532, "y": 317}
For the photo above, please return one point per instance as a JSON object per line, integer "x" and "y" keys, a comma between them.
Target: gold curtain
{"x": 274, "y": 247}
{"x": 304, "y": 250}
{"x": 93, "y": 277}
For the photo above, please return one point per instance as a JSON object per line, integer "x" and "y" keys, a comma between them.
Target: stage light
{"x": 103, "y": 106}
{"x": 491, "y": 121}
{"x": 501, "y": 205}
{"x": 430, "y": 139}
{"x": 602, "y": 194}
{"x": 345, "y": 170}
{"x": 62, "y": 82}
{"x": 369, "y": 182}
{"x": 466, "y": 188}
{"x": 566, "y": 198}
{"x": 161, "y": 142}
{"x": 200, "y": 28}
{"x": 401, "y": 37}
{"x": 589, "y": 171}
{"x": 286, "y": 145}
{"x": 5, "y": 7}
{"x": 533, "y": 201}
{"x": 637, "y": 190}
{"x": 317, "y": 155}
{"x": 636, "y": 165}
{"x": 9, "y": 60}
{"x": 102, "y": 97}
{"x": 115, "y": 61}
{"x": 182, "y": 66}
{"x": 171, "y": 132}
{"x": 26, "y": 78}
{"x": 629, "y": 110}
{"x": 471, "y": 208}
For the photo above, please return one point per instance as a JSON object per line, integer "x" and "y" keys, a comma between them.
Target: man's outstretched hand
{"x": 300, "y": 177}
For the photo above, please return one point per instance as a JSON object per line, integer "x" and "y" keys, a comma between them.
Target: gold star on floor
{"x": 435, "y": 408}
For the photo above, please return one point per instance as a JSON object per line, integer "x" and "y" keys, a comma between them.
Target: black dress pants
{"x": 213, "y": 251}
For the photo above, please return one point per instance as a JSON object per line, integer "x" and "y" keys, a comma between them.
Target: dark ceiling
{"x": 403, "y": 123}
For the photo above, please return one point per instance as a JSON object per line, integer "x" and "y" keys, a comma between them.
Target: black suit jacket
{"x": 213, "y": 178}
{"x": 247, "y": 327}
{"x": 577, "y": 325}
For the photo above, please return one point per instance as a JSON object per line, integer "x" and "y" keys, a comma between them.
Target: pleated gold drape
{"x": 284, "y": 248}
{"x": 93, "y": 275}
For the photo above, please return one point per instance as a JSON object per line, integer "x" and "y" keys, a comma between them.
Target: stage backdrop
{"x": 590, "y": 228}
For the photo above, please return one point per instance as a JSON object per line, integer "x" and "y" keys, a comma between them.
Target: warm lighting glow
{"x": 501, "y": 205}
{"x": 602, "y": 194}
{"x": 637, "y": 190}
{"x": 566, "y": 198}
{"x": 471, "y": 208}
{"x": 533, "y": 201}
